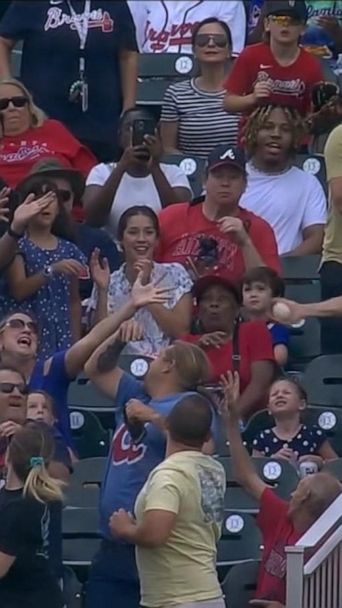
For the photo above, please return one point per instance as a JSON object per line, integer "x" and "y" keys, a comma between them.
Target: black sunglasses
{"x": 19, "y": 101}
{"x": 20, "y": 324}
{"x": 64, "y": 195}
{"x": 219, "y": 40}
{"x": 8, "y": 387}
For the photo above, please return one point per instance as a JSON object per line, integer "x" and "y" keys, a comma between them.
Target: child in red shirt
{"x": 278, "y": 70}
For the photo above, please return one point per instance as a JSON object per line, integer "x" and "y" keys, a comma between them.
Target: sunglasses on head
{"x": 20, "y": 324}
{"x": 219, "y": 40}
{"x": 8, "y": 387}
{"x": 285, "y": 20}
{"x": 19, "y": 101}
{"x": 64, "y": 195}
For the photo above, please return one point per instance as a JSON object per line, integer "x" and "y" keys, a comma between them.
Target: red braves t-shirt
{"x": 291, "y": 85}
{"x": 182, "y": 226}
{"x": 277, "y": 533}
{"x": 19, "y": 153}
{"x": 255, "y": 344}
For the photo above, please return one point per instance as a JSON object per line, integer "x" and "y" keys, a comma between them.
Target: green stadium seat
{"x": 192, "y": 166}
{"x": 305, "y": 343}
{"x": 84, "y": 488}
{"x": 90, "y": 438}
{"x": 240, "y": 540}
{"x": 72, "y": 589}
{"x": 334, "y": 467}
{"x": 323, "y": 381}
{"x": 314, "y": 164}
{"x": 329, "y": 419}
{"x": 240, "y": 584}
{"x": 299, "y": 268}
{"x": 81, "y": 536}
{"x": 83, "y": 395}
{"x": 157, "y": 71}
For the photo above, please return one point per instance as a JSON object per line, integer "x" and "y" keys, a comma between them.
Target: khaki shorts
{"x": 217, "y": 603}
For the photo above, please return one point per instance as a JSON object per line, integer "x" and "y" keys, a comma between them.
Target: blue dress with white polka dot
{"x": 51, "y": 303}
{"x": 307, "y": 440}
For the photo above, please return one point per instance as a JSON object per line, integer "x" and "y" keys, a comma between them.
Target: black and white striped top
{"x": 202, "y": 121}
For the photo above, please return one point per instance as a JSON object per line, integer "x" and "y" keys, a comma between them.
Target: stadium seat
{"x": 314, "y": 164}
{"x": 299, "y": 268}
{"x": 334, "y": 467}
{"x": 280, "y": 475}
{"x": 305, "y": 343}
{"x": 329, "y": 419}
{"x": 323, "y": 381}
{"x": 83, "y": 395}
{"x": 84, "y": 488}
{"x": 72, "y": 589}
{"x": 240, "y": 584}
{"x": 240, "y": 540}
{"x": 157, "y": 71}
{"x": 90, "y": 438}
{"x": 192, "y": 166}
{"x": 81, "y": 536}
{"x": 136, "y": 365}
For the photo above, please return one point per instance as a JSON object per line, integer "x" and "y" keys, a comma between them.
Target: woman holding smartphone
{"x": 138, "y": 178}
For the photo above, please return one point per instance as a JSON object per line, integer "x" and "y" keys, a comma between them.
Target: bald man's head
{"x": 314, "y": 494}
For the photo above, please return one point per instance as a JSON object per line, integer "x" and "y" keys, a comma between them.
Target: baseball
{"x": 281, "y": 311}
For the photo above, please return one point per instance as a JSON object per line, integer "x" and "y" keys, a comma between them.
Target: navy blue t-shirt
{"x": 279, "y": 333}
{"x": 50, "y": 60}
{"x": 308, "y": 440}
{"x": 129, "y": 464}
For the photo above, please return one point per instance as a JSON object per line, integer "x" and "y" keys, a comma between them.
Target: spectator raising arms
{"x": 138, "y": 234}
{"x": 230, "y": 344}
{"x": 166, "y": 26}
{"x": 43, "y": 277}
{"x": 139, "y": 178}
{"x": 291, "y": 200}
{"x": 218, "y": 236}
{"x": 91, "y": 74}
{"x": 281, "y": 523}
{"x": 290, "y": 438}
{"x": 26, "y": 577}
{"x": 179, "y": 515}
{"x": 193, "y": 120}
{"x": 278, "y": 70}
{"x": 28, "y": 136}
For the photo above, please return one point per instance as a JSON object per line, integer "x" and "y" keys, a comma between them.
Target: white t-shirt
{"x": 289, "y": 202}
{"x": 166, "y": 27}
{"x": 135, "y": 190}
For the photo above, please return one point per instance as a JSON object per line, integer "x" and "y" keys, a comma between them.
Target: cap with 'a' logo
{"x": 293, "y": 8}
{"x": 222, "y": 155}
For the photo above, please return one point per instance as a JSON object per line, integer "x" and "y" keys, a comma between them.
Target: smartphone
{"x": 140, "y": 128}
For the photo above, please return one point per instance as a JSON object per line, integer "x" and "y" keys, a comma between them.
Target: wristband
{"x": 13, "y": 234}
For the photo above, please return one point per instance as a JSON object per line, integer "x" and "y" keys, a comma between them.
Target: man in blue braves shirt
{"x": 138, "y": 446}
{"x": 79, "y": 61}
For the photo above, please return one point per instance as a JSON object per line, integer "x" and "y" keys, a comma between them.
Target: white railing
{"x": 314, "y": 564}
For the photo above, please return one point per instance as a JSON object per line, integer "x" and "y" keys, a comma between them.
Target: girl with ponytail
{"x": 26, "y": 577}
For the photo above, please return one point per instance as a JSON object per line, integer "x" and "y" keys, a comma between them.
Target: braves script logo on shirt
{"x": 123, "y": 450}
{"x": 188, "y": 246}
{"x": 97, "y": 19}
{"x": 177, "y": 35}
{"x": 27, "y": 150}
{"x": 295, "y": 87}
{"x": 276, "y": 563}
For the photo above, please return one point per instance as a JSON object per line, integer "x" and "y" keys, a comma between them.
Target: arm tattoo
{"x": 108, "y": 360}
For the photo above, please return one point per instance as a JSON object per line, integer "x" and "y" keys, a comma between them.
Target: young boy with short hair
{"x": 259, "y": 286}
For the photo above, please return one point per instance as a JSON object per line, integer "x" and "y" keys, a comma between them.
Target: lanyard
{"x": 82, "y": 26}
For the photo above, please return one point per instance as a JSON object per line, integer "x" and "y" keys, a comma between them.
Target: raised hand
{"x": 216, "y": 338}
{"x": 4, "y": 199}
{"x": 99, "y": 270}
{"x": 29, "y": 209}
{"x": 145, "y": 266}
{"x": 235, "y": 228}
{"x": 130, "y": 331}
{"x": 70, "y": 267}
{"x": 230, "y": 383}
{"x": 142, "y": 295}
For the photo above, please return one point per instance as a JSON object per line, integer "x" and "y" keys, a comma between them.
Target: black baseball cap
{"x": 292, "y": 8}
{"x": 224, "y": 155}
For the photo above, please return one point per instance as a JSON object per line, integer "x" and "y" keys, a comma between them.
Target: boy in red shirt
{"x": 281, "y": 523}
{"x": 276, "y": 71}
{"x": 217, "y": 236}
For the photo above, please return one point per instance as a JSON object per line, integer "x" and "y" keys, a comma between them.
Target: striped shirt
{"x": 202, "y": 121}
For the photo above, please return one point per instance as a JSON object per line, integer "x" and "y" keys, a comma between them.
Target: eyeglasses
{"x": 285, "y": 20}
{"x": 219, "y": 40}
{"x": 19, "y": 101}
{"x": 20, "y": 324}
{"x": 64, "y": 195}
{"x": 8, "y": 387}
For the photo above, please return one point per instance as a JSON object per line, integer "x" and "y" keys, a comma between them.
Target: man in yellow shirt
{"x": 331, "y": 268}
{"x": 179, "y": 513}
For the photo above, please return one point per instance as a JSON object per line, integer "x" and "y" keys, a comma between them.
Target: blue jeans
{"x": 113, "y": 579}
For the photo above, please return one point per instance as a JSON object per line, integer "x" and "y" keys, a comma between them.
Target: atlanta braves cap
{"x": 223, "y": 155}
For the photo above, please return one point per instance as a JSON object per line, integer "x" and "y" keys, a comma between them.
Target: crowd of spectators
{"x": 105, "y": 251}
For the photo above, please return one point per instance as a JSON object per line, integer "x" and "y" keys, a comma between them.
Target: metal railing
{"x": 314, "y": 564}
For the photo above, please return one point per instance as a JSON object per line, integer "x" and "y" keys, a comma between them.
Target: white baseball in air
{"x": 281, "y": 311}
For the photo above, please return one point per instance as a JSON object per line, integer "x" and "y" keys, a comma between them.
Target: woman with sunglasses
{"x": 28, "y": 135}
{"x": 43, "y": 277}
{"x": 193, "y": 120}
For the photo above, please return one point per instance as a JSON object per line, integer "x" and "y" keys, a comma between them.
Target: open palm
{"x": 142, "y": 295}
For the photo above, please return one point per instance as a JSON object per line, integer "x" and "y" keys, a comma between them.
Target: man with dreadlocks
{"x": 291, "y": 200}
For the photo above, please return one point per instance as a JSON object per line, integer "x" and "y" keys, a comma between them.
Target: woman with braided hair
{"x": 291, "y": 200}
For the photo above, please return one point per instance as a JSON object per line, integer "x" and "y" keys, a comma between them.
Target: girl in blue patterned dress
{"x": 43, "y": 277}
